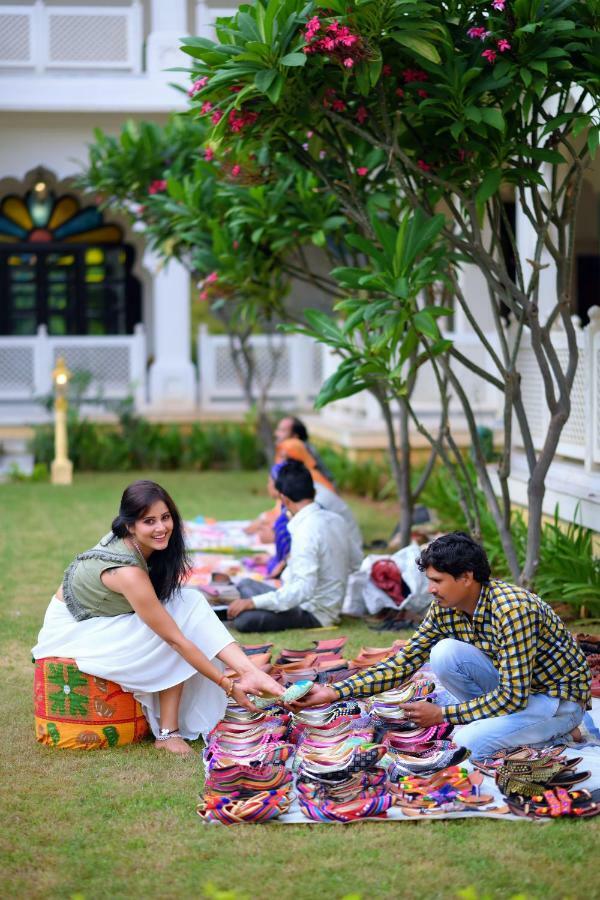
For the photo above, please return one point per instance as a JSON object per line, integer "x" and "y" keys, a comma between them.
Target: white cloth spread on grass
{"x": 125, "y": 650}
{"x": 316, "y": 575}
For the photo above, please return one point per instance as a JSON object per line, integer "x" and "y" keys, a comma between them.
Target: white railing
{"x": 296, "y": 376}
{"x": 116, "y": 363}
{"x": 46, "y": 38}
{"x": 580, "y": 438}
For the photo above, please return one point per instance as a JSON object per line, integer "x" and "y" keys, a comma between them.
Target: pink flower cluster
{"x": 410, "y": 75}
{"x": 239, "y": 119}
{"x": 335, "y": 40}
{"x": 499, "y": 5}
{"x": 158, "y": 186}
{"x": 478, "y": 33}
{"x": 491, "y": 55}
{"x": 197, "y": 86}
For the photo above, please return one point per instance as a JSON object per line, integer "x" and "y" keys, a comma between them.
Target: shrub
{"x": 139, "y": 444}
{"x": 568, "y": 571}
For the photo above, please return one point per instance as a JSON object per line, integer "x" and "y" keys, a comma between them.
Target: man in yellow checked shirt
{"x": 516, "y": 672}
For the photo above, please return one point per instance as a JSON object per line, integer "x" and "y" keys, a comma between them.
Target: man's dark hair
{"x": 299, "y": 429}
{"x": 456, "y": 553}
{"x": 295, "y": 481}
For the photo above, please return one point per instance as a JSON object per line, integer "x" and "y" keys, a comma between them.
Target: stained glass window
{"x": 63, "y": 266}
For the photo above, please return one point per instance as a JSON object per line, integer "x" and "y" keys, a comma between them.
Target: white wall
{"x": 57, "y": 141}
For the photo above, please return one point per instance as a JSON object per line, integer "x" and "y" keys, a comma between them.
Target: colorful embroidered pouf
{"x": 75, "y": 711}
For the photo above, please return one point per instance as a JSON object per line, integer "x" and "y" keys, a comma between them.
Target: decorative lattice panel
{"x": 15, "y": 40}
{"x": 534, "y": 401}
{"x": 317, "y": 365}
{"x": 574, "y": 431}
{"x": 226, "y": 376}
{"x": 16, "y": 370}
{"x": 100, "y": 38}
{"x": 109, "y": 366}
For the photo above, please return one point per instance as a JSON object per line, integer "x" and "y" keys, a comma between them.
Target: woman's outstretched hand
{"x": 255, "y": 681}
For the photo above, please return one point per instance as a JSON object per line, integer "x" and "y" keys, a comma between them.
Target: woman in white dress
{"x": 122, "y": 614}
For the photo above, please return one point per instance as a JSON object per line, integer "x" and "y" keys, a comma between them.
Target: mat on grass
{"x": 589, "y": 750}
{"x": 226, "y": 536}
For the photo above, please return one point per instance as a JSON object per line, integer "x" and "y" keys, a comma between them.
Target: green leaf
{"x": 593, "y": 141}
{"x": 425, "y": 324}
{"x": 492, "y": 116}
{"x": 526, "y": 76}
{"x": 456, "y": 129}
{"x": 275, "y": 89}
{"x": 418, "y": 45}
{"x": 264, "y": 79}
{"x": 294, "y": 59}
{"x": 488, "y": 186}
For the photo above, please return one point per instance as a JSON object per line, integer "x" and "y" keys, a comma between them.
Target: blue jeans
{"x": 468, "y": 673}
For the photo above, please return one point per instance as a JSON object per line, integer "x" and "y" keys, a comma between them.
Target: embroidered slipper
{"x": 294, "y": 692}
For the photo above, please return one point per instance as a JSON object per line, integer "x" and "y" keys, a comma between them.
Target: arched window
{"x": 63, "y": 267}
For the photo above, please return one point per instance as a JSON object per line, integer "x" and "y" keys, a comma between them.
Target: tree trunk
{"x": 400, "y": 465}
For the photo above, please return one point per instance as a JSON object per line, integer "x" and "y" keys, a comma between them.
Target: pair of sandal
{"x": 386, "y": 706}
{"x": 352, "y": 759}
{"x": 426, "y": 761}
{"x": 261, "y": 807}
{"x": 556, "y": 803}
{"x": 350, "y": 811}
{"x": 325, "y": 715}
{"x": 527, "y": 776}
{"x": 415, "y": 736}
{"x": 248, "y": 778}
{"x": 267, "y": 753}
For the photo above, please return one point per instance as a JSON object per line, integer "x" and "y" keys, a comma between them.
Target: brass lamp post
{"x": 61, "y": 470}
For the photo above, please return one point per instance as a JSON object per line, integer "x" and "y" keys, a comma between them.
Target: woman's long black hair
{"x": 167, "y": 568}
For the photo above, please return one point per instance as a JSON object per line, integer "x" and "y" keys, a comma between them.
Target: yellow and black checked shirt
{"x": 524, "y": 638}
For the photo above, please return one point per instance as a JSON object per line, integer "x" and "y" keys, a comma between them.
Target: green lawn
{"x": 121, "y": 823}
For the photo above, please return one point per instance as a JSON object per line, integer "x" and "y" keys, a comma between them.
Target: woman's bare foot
{"x": 577, "y": 735}
{"x": 174, "y": 745}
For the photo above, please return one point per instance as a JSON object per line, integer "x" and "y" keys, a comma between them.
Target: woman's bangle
{"x": 229, "y": 691}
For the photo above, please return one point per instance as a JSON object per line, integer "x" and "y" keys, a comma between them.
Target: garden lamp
{"x": 61, "y": 470}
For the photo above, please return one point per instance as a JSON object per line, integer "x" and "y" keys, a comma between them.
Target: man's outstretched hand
{"x": 319, "y": 695}
{"x": 423, "y": 714}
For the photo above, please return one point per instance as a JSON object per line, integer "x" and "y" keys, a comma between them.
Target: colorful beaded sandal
{"x": 556, "y": 803}
{"x": 362, "y": 808}
{"x": 250, "y": 811}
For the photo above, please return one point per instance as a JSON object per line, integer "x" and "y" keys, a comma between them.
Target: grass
{"x": 121, "y": 823}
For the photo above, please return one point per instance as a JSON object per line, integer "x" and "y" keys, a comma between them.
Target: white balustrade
{"x": 288, "y": 366}
{"x": 580, "y": 438}
{"x": 46, "y": 38}
{"x": 117, "y": 364}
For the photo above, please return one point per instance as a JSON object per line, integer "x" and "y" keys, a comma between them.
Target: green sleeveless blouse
{"x": 84, "y": 594}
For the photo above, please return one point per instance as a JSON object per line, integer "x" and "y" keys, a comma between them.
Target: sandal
{"x": 556, "y": 803}
{"x": 530, "y": 777}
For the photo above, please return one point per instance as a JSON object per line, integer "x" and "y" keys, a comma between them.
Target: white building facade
{"x": 80, "y": 284}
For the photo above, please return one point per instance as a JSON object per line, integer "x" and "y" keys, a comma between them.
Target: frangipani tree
{"x": 444, "y": 106}
{"x": 242, "y": 231}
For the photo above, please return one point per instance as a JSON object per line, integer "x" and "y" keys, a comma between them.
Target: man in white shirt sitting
{"x": 321, "y": 558}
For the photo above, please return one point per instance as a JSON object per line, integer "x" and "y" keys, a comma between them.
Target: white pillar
{"x": 206, "y": 14}
{"x": 168, "y": 24}
{"x": 172, "y": 374}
